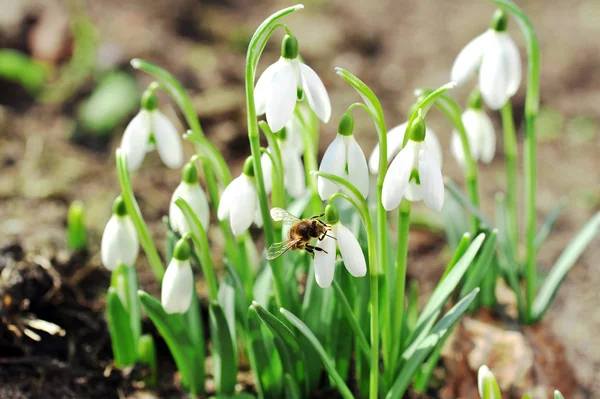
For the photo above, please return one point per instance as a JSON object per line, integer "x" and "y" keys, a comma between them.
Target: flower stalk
{"x": 510, "y": 155}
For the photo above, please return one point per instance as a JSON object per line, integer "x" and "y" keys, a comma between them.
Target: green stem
{"x": 184, "y": 102}
{"x": 358, "y": 201}
{"x": 532, "y": 102}
{"x": 255, "y": 49}
{"x": 278, "y": 193}
{"x": 310, "y": 158}
{"x": 133, "y": 210}
{"x": 510, "y": 155}
{"x": 400, "y": 283}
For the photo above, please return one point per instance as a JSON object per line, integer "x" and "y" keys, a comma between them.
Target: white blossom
{"x": 177, "y": 286}
{"x": 193, "y": 194}
{"x": 120, "y": 242}
{"x": 481, "y": 136}
{"x": 240, "y": 205}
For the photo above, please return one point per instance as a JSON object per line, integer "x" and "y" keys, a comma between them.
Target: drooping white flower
{"x": 178, "y": 282}
{"x": 342, "y": 237}
{"x": 120, "y": 242}
{"x": 484, "y": 376}
{"x": 291, "y": 148}
{"x": 277, "y": 88}
{"x": 344, "y": 158}
{"x": 192, "y": 193}
{"x": 151, "y": 129}
{"x": 497, "y": 58}
{"x": 414, "y": 174}
{"x": 481, "y": 136}
{"x": 239, "y": 202}
{"x": 395, "y": 138}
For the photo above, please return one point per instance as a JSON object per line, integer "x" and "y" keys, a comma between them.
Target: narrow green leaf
{"x": 466, "y": 202}
{"x": 546, "y": 228}
{"x": 426, "y": 345}
{"x": 124, "y": 280}
{"x": 291, "y": 388}
{"x": 563, "y": 264}
{"x": 265, "y": 364}
{"x": 558, "y": 395}
{"x": 174, "y": 331}
{"x": 147, "y": 355}
{"x": 491, "y": 390}
{"x": 123, "y": 345}
{"x": 195, "y": 330}
{"x": 329, "y": 364}
{"x": 460, "y": 250}
{"x": 444, "y": 289}
{"x": 482, "y": 264}
{"x": 76, "y": 231}
{"x": 224, "y": 352}
{"x": 345, "y": 306}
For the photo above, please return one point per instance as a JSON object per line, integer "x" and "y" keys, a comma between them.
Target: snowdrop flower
{"x": 151, "y": 129}
{"x": 340, "y": 236}
{"x": 480, "y": 132}
{"x": 496, "y": 56}
{"x": 192, "y": 193}
{"x": 344, "y": 158}
{"x": 395, "y": 138}
{"x": 278, "y": 87}
{"x": 414, "y": 174}
{"x": 178, "y": 283}
{"x": 291, "y": 148}
{"x": 120, "y": 244}
{"x": 486, "y": 378}
{"x": 239, "y": 202}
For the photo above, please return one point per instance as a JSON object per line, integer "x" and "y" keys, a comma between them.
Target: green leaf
{"x": 329, "y": 364}
{"x": 288, "y": 347}
{"x": 76, "y": 231}
{"x": 558, "y": 395}
{"x": 444, "y": 289}
{"x": 147, "y": 355}
{"x": 546, "y": 228}
{"x": 563, "y": 264}
{"x": 265, "y": 364}
{"x": 123, "y": 345}
{"x": 491, "y": 390}
{"x": 224, "y": 352}
{"x": 421, "y": 349}
{"x": 291, "y": 388}
{"x": 175, "y": 333}
{"x": 347, "y": 310}
{"x": 195, "y": 329}
{"x": 482, "y": 264}
{"x": 124, "y": 280}
{"x": 460, "y": 250}
{"x": 466, "y": 202}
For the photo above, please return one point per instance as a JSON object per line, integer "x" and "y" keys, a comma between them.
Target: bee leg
{"x": 312, "y": 249}
{"x": 318, "y": 216}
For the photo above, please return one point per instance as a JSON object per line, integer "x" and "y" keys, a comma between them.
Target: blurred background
{"x": 67, "y": 92}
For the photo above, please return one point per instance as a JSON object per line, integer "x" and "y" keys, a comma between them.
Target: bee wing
{"x": 278, "y": 214}
{"x": 279, "y": 248}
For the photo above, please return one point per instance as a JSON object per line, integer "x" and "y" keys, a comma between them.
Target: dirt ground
{"x": 393, "y": 46}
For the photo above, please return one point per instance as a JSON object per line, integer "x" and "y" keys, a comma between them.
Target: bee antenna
{"x": 331, "y": 237}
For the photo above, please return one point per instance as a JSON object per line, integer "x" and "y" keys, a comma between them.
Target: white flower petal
{"x": 396, "y": 178}
{"x": 228, "y": 199}
{"x": 177, "y": 287}
{"x": 294, "y": 133}
{"x": 293, "y": 170}
{"x": 196, "y": 198}
{"x": 469, "y": 59}
{"x": 333, "y": 162}
{"x": 324, "y": 263}
{"x": 120, "y": 243}
{"x": 267, "y": 168}
{"x": 513, "y": 59}
{"x": 135, "y": 139}
{"x": 352, "y": 254}
{"x": 472, "y": 123}
{"x": 358, "y": 171}
{"x": 487, "y": 138}
{"x": 433, "y": 143}
{"x": 395, "y": 137}
{"x": 168, "y": 140}
{"x": 432, "y": 183}
{"x": 494, "y": 74}
{"x": 456, "y": 148}
{"x": 262, "y": 89}
{"x": 315, "y": 92}
{"x": 281, "y": 95}
{"x": 258, "y": 220}
{"x": 413, "y": 191}
{"x": 243, "y": 207}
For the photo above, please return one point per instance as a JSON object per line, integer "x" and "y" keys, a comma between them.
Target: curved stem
{"x": 510, "y": 156}
{"x": 255, "y": 49}
{"x": 133, "y": 210}
{"x": 184, "y": 102}
{"x": 311, "y": 146}
{"x": 532, "y": 102}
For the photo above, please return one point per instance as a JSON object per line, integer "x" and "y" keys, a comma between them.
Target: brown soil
{"x": 391, "y": 47}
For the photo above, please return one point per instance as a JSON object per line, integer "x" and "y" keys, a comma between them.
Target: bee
{"x": 300, "y": 234}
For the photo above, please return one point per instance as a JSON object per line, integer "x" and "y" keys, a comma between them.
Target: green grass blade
{"x": 427, "y": 344}
{"x": 224, "y": 352}
{"x": 329, "y": 364}
{"x": 563, "y": 264}
{"x": 482, "y": 264}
